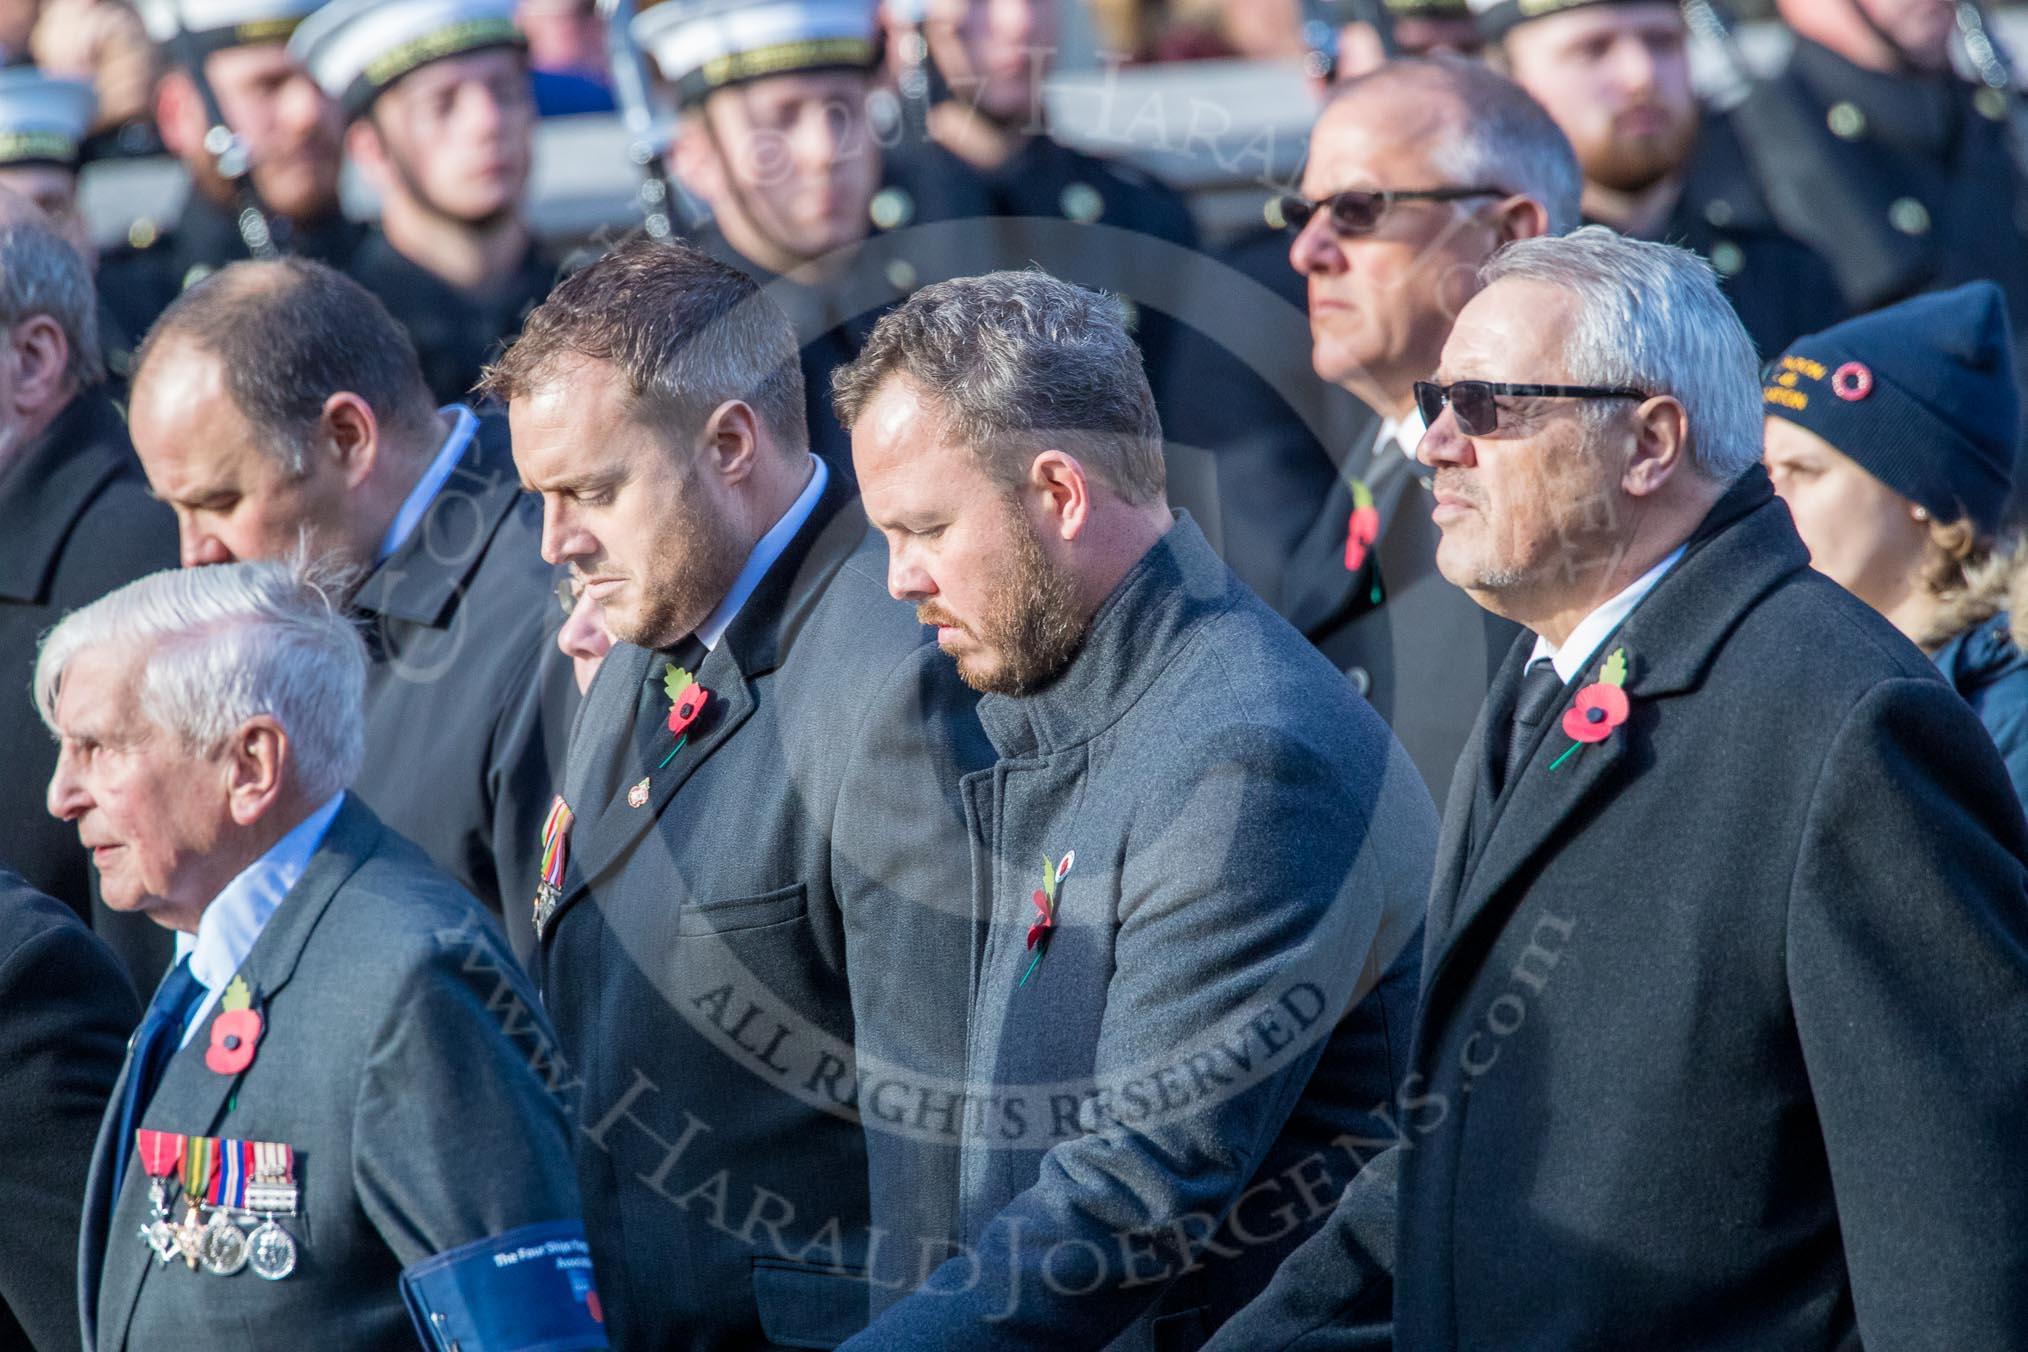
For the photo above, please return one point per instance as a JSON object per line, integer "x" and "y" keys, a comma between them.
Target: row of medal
{"x": 232, "y": 1191}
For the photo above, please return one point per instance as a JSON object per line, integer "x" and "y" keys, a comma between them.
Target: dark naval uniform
{"x": 1780, "y": 287}
{"x": 139, "y": 279}
{"x": 80, "y": 524}
{"x": 1099, "y": 223}
{"x": 1940, "y": 199}
{"x": 468, "y": 703}
{"x": 456, "y": 332}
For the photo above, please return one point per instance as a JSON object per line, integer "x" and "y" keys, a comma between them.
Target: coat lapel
{"x": 1746, "y": 546}
{"x": 1320, "y": 589}
{"x": 192, "y": 1099}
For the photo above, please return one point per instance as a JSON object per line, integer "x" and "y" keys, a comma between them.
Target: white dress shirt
{"x": 1406, "y": 431}
{"x": 236, "y": 916}
{"x": 1591, "y": 631}
{"x": 764, "y": 555}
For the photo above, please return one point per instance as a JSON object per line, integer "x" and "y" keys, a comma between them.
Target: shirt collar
{"x": 1406, "y": 431}
{"x": 236, "y": 916}
{"x": 1591, "y": 631}
{"x": 464, "y": 423}
{"x": 764, "y": 555}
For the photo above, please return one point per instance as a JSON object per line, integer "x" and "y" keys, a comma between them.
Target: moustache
{"x": 930, "y": 615}
{"x": 1453, "y": 483}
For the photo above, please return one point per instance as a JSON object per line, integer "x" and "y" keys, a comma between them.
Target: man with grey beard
{"x": 1175, "y": 1039}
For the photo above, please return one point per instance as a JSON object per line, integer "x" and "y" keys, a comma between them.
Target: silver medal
{"x": 270, "y": 1252}
{"x": 225, "y": 1246}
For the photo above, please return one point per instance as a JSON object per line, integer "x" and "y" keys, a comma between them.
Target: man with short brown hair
{"x": 758, "y": 835}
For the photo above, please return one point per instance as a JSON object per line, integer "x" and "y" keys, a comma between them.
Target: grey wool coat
{"x": 1724, "y": 1035}
{"x": 731, "y": 915}
{"x": 403, "y": 1058}
{"x": 1163, "y": 1083}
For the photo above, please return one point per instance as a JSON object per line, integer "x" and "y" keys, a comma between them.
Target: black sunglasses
{"x": 1479, "y": 412}
{"x": 1356, "y": 211}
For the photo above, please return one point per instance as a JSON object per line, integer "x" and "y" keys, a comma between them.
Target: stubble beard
{"x": 1033, "y": 628}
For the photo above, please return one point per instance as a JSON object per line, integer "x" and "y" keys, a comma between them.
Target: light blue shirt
{"x": 764, "y": 555}
{"x": 1591, "y": 631}
{"x": 237, "y": 915}
{"x": 464, "y": 423}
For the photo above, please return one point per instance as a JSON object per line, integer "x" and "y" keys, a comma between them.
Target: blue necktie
{"x": 160, "y": 1035}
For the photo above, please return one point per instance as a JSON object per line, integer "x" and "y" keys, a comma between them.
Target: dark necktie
{"x": 1541, "y": 688}
{"x": 160, "y": 1034}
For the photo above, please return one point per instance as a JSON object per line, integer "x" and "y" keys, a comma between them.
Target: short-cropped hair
{"x": 686, "y": 333}
{"x": 289, "y": 333}
{"x": 1018, "y": 363}
{"x": 225, "y": 644}
{"x": 41, "y": 274}
{"x": 1651, "y": 317}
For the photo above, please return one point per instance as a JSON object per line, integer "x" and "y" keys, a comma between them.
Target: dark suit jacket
{"x": 808, "y": 835}
{"x": 468, "y": 703}
{"x": 80, "y": 524}
{"x": 1224, "y": 998}
{"x": 1724, "y": 1035}
{"x": 1419, "y": 649}
{"x": 403, "y": 1059}
{"x": 65, "y": 1011}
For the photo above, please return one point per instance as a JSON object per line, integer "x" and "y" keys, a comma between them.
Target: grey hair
{"x": 1651, "y": 316}
{"x": 1018, "y": 362}
{"x": 1500, "y": 136}
{"x": 225, "y": 644}
{"x": 41, "y": 274}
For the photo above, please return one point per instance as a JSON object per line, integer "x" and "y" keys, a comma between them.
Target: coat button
{"x": 1908, "y": 216}
{"x": 1082, "y": 203}
{"x": 1728, "y": 258}
{"x": 1362, "y": 680}
{"x": 1845, "y": 120}
{"x": 901, "y": 275}
{"x": 1992, "y": 104}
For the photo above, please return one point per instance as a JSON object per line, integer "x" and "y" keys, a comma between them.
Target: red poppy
{"x": 1600, "y": 708}
{"x": 1360, "y": 534}
{"x": 1044, "y": 921}
{"x": 233, "y": 1035}
{"x": 684, "y": 709}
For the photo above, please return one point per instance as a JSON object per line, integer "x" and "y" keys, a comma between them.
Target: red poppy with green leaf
{"x": 1364, "y": 527}
{"x": 1053, "y": 874}
{"x": 1598, "y": 708}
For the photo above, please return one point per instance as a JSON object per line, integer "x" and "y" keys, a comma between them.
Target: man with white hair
{"x": 1724, "y": 1033}
{"x": 341, "y": 1036}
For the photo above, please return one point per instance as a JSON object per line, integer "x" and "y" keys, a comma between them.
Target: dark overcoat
{"x": 1164, "y": 1077}
{"x": 80, "y": 524}
{"x": 68, "y": 1011}
{"x": 1724, "y": 1037}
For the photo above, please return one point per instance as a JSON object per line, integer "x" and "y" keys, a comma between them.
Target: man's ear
{"x": 1661, "y": 446}
{"x": 1057, "y": 483}
{"x": 41, "y": 356}
{"x": 351, "y": 435}
{"x": 694, "y": 159}
{"x": 1521, "y": 217}
{"x": 365, "y": 148}
{"x": 730, "y": 441}
{"x": 179, "y": 114}
{"x": 257, "y": 760}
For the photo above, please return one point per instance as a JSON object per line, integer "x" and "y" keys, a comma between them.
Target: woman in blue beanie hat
{"x": 1892, "y": 438}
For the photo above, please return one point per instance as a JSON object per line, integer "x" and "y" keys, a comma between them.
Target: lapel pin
{"x": 235, "y": 1032}
{"x": 1599, "y": 707}
{"x": 686, "y": 701}
{"x": 638, "y": 795}
{"x": 1045, "y": 897}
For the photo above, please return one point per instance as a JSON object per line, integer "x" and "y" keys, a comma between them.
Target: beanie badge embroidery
{"x": 1852, "y": 382}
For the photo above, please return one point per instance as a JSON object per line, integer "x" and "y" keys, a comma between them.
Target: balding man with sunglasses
{"x": 1723, "y": 1040}
{"x": 1417, "y": 173}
